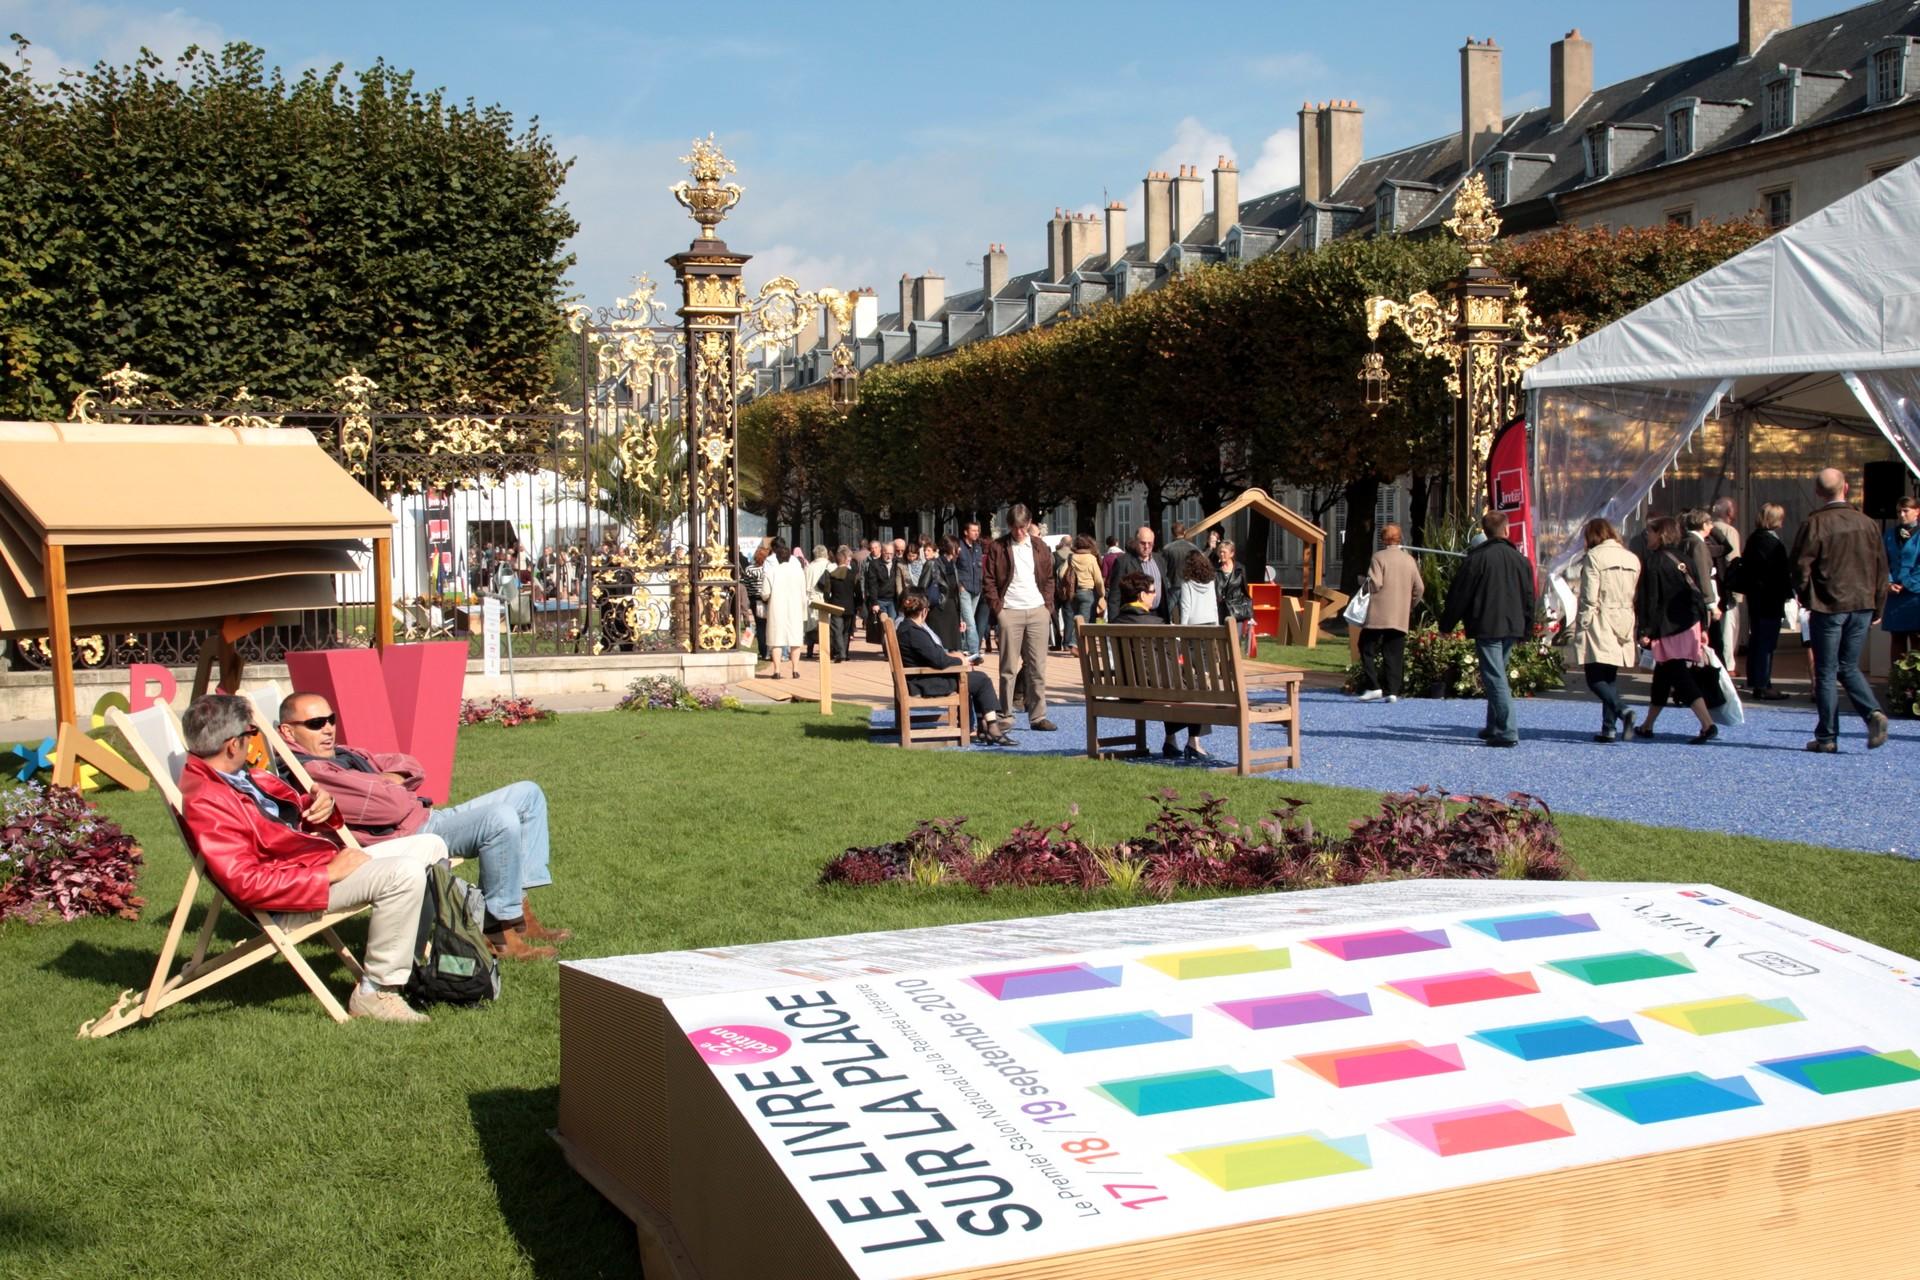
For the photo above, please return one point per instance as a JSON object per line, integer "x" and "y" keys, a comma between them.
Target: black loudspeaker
{"x": 1883, "y": 483}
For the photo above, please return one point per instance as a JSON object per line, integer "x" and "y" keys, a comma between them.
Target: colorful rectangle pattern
{"x": 1235, "y": 1166}
{"x": 1673, "y": 1097}
{"x": 1219, "y": 962}
{"x": 1727, "y": 1013}
{"x": 1621, "y": 966}
{"x": 1054, "y": 980}
{"x": 1484, "y": 1128}
{"x": 1465, "y": 988}
{"x": 1262, "y": 1013}
{"x": 1534, "y": 924}
{"x": 1381, "y": 1063}
{"x": 1844, "y": 1070}
{"x": 1115, "y": 1031}
{"x": 1188, "y": 1090}
{"x": 1376, "y": 943}
{"x": 1560, "y": 1038}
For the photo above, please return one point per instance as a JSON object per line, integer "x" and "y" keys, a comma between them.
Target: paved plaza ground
{"x": 1756, "y": 780}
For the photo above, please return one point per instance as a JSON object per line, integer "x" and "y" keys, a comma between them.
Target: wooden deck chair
{"x": 156, "y": 740}
{"x": 954, "y": 720}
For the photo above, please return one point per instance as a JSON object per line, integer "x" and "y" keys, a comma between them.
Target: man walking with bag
{"x": 1493, "y": 595}
{"x": 1840, "y": 575}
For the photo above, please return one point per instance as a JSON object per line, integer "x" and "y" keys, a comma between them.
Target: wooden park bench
{"x": 1184, "y": 675}
{"x": 952, "y": 720}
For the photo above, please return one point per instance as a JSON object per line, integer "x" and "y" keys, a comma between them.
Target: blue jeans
{"x": 507, "y": 831}
{"x": 1838, "y": 639}
{"x": 969, "y": 609}
{"x": 1502, "y": 724}
{"x": 1080, "y": 611}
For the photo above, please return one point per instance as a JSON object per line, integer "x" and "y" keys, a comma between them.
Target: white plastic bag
{"x": 1729, "y": 712}
{"x": 1356, "y": 610}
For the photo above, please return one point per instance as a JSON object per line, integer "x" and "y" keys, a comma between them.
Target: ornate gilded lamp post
{"x": 1485, "y": 332}
{"x": 714, "y": 300}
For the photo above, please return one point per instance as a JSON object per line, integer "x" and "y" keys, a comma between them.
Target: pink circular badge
{"x": 737, "y": 1045}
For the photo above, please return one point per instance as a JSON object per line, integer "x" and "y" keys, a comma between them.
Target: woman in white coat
{"x": 1603, "y": 640}
{"x": 785, "y": 587}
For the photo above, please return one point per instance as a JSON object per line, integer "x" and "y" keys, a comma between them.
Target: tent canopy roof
{"x": 78, "y": 483}
{"x": 1839, "y": 291}
{"x": 160, "y": 525}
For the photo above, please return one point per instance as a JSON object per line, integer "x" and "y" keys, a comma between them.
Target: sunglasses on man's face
{"x": 316, "y": 723}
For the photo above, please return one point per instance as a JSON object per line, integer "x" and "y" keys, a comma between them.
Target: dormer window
{"x": 1383, "y": 212}
{"x": 1679, "y": 132}
{"x": 1887, "y": 74}
{"x": 1497, "y": 184}
{"x": 1780, "y": 102}
{"x": 1599, "y": 148}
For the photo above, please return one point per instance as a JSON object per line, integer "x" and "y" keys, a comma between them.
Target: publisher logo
{"x": 1774, "y": 962}
{"x": 739, "y": 1046}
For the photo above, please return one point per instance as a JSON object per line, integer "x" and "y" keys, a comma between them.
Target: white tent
{"x": 1812, "y": 327}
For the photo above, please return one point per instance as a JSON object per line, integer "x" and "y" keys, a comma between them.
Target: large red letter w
{"x": 406, "y": 700}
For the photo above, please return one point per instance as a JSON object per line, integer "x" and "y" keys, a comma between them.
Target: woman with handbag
{"x": 1234, "y": 601}
{"x": 1086, "y": 589}
{"x": 1670, "y": 617}
{"x": 1603, "y": 626}
{"x": 1392, "y": 587}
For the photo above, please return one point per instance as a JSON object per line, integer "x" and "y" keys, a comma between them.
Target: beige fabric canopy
{"x": 111, "y": 527}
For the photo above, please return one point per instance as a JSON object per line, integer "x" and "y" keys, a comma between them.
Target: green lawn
{"x": 1329, "y": 655}
{"x": 246, "y": 1134}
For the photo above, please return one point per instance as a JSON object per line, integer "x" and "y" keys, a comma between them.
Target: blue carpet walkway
{"x": 1755, "y": 780}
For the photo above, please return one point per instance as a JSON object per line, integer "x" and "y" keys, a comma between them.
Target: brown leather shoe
{"x": 531, "y": 926}
{"x": 509, "y": 943}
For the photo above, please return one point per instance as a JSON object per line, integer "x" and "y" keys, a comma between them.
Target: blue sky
{"x": 879, "y": 139}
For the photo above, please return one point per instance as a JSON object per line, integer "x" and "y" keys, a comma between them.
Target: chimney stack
{"x": 1057, "y": 246}
{"x": 1083, "y": 236}
{"x": 1572, "y": 75}
{"x": 1480, "y": 118}
{"x": 1116, "y": 232}
{"x": 1226, "y": 198}
{"x": 906, "y": 300}
{"x": 929, "y": 296}
{"x": 1159, "y": 195}
{"x": 993, "y": 270}
{"x": 1760, "y": 19}
{"x": 1187, "y": 201}
{"x": 1340, "y": 145}
{"x": 1312, "y": 185}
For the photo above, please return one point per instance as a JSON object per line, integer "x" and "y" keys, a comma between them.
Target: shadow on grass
{"x": 120, "y": 968}
{"x": 562, "y": 1224}
{"x": 836, "y": 731}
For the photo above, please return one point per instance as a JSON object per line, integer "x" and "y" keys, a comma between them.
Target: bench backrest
{"x": 891, "y": 639}
{"x": 1198, "y": 665}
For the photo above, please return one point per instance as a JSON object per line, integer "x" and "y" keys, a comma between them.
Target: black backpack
{"x": 452, "y": 963}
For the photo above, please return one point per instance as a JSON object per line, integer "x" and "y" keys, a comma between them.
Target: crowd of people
{"x": 1020, "y": 595}
{"x": 1671, "y": 604}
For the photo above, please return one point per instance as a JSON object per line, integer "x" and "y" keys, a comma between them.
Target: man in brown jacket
{"x": 1019, "y": 584}
{"x": 1840, "y": 575}
{"x": 1394, "y": 586}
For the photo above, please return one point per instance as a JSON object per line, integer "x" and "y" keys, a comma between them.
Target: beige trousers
{"x": 1023, "y": 645}
{"x": 394, "y": 881}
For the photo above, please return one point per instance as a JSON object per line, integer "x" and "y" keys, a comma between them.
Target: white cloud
{"x": 75, "y": 36}
{"x": 1194, "y": 143}
{"x": 1278, "y": 165}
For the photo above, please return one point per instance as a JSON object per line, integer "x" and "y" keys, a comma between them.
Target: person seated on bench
{"x": 505, "y": 829}
{"x": 268, "y": 848}
{"x": 920, "y": 647}
{"x": 1138, "y": 594}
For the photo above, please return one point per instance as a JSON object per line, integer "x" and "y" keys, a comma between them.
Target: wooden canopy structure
{"x": 1313, "y": 539}
{"x": 120, "y": 527}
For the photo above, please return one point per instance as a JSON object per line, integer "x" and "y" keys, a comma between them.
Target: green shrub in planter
{"x": 1446, "y": 666}
{"x": 1905, "y": 685}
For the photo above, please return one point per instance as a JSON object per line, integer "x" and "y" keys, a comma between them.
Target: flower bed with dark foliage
{"x": 60, "y": 858}
{"x": 1904, "y": 685}
{"x": 1419, "y": 833}
{"x": 502, "y": 711}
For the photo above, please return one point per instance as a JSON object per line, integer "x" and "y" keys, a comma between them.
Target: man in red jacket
{"x": 504, "y": 830}
{"x": 269, "y": 848}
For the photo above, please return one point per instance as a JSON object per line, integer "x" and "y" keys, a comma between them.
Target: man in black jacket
{"x": 1840, "y": 575}
{"x": 1493, "y": 595}
{"x": 920, "y": 647}
{"x": 1140, "y": 558}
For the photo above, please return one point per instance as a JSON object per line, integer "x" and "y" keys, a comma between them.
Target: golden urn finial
{"x": 1474, "y": 220}
{"x": 706, "y": 200}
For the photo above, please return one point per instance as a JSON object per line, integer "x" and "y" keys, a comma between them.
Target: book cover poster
{"x": 986, "y": 1114}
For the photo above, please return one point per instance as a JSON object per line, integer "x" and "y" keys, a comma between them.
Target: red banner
{"x": 1510, "y": 488}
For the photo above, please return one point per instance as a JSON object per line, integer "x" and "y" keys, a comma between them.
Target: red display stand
{"x": 405, "y": 698}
